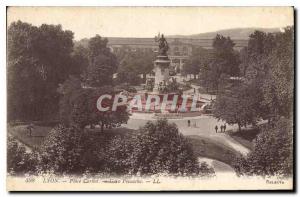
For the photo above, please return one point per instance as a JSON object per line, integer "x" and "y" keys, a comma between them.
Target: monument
{"x": 166, "y": 89}
{"x": 161, "y": 65}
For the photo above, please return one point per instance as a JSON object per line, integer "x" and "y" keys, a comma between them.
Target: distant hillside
{"x": 236, "y": 33}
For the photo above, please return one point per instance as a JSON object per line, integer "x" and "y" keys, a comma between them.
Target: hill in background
{"x": 236, "y": 33}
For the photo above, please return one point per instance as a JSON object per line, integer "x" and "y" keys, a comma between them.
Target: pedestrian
{"x": 30, "y": 127}
{"x": 189, "y": 123}
{"x": 216, "y": 128}
{"x": 224, "y": 127}
{"x": 221, "y": 128}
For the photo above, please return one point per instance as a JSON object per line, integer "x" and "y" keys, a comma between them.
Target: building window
{"x": 185, "y": 51}
{"x": 176, "y": 51}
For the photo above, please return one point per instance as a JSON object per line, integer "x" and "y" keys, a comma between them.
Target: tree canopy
{"x": 265, "y": 88}
{"x": 78, "y": 106}
{"x": 102, "y": 63}
{"x": 272, "y": 154}
{"x": 133, "y": 64}
{"x": 213, "y": 64}
{"x": 39, "y": 58}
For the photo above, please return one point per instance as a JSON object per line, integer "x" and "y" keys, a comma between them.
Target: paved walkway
{"x": 219, "y": 167}
{"x": 207, "y": 97}
{"x": 201, "y": 125}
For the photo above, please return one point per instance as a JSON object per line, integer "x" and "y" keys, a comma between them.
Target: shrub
{"x": 20, "y": 160}
{"x": 118, "y": 155}
{"x": 158, "y": 148}
{"x": 95, "y": 153}
{"x": 62, "y": 150}
{"x": 273, "y": 152}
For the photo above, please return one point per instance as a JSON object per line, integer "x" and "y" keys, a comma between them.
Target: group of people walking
{"x": 223, "y": 128}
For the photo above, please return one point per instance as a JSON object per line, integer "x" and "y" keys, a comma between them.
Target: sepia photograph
{"x": 150, "y": 98}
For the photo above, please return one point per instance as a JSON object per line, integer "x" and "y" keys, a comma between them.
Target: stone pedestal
{"x": 161, "y": 69}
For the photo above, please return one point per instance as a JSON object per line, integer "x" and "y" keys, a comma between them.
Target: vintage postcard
{"x": 150, "y": 98}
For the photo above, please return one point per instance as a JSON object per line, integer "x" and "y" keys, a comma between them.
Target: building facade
{"x": 179, "y": 48}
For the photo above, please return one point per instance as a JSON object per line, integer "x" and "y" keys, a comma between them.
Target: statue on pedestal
{"x": 161, "y": 65}
{"x": 163, "y": 44}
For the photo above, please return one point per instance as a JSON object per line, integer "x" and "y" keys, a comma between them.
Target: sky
{"x": 86, "y": 22}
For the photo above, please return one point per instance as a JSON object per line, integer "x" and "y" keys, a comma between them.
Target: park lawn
{"x": 40, "y": 132}
{"x": 245, "y": 136}
{"x": 205, "y": 147}
{"x": 248, "y": 144}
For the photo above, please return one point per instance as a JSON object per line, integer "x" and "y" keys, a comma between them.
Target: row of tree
{"x": 264, "y": 89}
{"x": 254, "y": 84}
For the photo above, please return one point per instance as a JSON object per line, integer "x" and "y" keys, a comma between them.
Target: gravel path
{"x": 200, "y": 125}
{"x": 220, "y": 168}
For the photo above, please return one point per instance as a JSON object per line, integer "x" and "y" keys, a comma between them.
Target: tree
{"x": 160, "y": 148}
{"x": 278, "y": 88}
{"x": 238, "y": 105}
{"x": 78, "y": 107}
{"x": 133, "y": 64}
{"x": 268, "y": 64}
{"x": 79, "y": 60}
{"x": 190, "y": 67}
{"x": 268, "y": 72}
{"x": 128, "y": 72}
{"x": 20, "y": 161}
{"x": 157, "y": 148}
{"x": 272, "y": 154}
{"x": 222, "y": 60}
{"x": 24, "y": 82}
{"x": 197, "y": 62}
{"x": 62, "y": 150}
{"x": 38, "y": 60}
{"x": 54, "y": 47}
{"x": 225, "y": 60}
{"x": 102, "y": 63}
{"x": 145, "y": 62}
{"x": 66, "y": 90}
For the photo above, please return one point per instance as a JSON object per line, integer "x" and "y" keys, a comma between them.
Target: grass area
{"x": 205, "y": 147}
{"x": 242, "y": 141}
{"x": 245, "y": 137}
{"x": 108, "y": 133}
{"x": 40, "y": 132}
